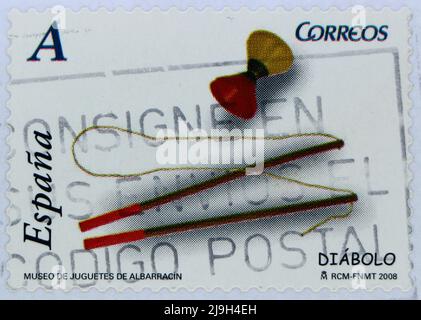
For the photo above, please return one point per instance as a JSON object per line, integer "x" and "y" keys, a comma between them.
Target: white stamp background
{"x": 234, "y": 294}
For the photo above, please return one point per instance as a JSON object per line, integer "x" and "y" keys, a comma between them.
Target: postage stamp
{"x": 209, "y": 149}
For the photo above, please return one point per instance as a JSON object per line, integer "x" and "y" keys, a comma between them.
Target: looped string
{"x": 151, "y": 138}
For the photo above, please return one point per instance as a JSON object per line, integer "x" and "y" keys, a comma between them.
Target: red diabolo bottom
{"x": 237, "y": 94}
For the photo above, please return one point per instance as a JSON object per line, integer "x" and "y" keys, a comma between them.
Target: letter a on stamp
{"x": 209, "y": 149}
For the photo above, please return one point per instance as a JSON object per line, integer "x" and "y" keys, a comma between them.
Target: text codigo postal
{"x": 209, "y": 149}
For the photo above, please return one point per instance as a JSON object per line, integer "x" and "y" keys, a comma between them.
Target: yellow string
{"x": 273, "y": 138}
{"x": 333, "y": 217}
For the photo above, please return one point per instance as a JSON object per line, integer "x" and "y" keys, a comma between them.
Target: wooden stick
{"x": 112, "y": 216}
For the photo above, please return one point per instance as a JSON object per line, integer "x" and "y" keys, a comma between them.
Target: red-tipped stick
{"x": 111, "y": 216}
{"x": 131, "y": 236}
{"x": 113, "y": 239}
